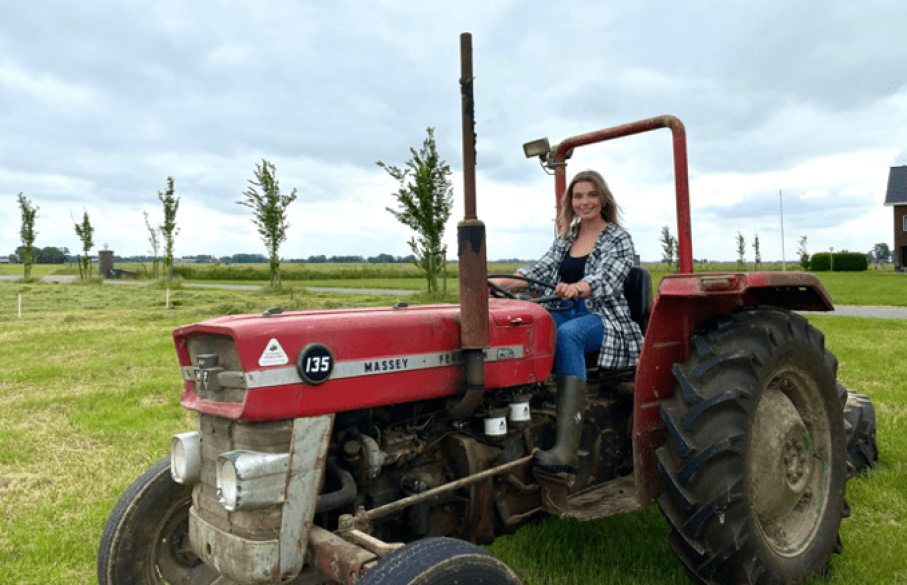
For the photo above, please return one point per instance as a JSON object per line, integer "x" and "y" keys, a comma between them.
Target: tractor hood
{"x": 307, "y": 363}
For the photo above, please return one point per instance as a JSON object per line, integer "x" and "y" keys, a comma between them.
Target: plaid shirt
{"x": 607, "y": 267}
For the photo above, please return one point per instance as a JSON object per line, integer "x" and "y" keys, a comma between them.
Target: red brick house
{"x": 896, "y": 197}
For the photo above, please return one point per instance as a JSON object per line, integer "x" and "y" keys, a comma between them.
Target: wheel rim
{"x": 174, "y": 559}
{"x": 789, "y": 466}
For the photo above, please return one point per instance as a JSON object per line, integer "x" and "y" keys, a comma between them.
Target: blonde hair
{"x": 610, "y": 209}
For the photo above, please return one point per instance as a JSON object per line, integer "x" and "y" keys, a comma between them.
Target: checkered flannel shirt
{"x": 607, "y": 267}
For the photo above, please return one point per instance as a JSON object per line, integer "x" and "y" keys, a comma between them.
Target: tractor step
{"x": 617, "y": 496}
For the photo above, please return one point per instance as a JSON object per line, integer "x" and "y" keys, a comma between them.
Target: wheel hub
{"x": 781, "y": 460}
{"x": 796, "y": 458}
{"x": 788, "y": 463}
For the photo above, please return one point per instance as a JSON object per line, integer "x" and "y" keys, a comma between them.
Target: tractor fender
{"x": 682, "y": 303}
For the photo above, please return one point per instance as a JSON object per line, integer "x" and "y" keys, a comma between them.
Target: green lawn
{"x": 90, "y": 398}
{"x": 873, "y": 287}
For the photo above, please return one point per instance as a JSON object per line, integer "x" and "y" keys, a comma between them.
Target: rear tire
{"x": 439, "y": 561}
{"x": 860, "y": 420}
{"x": 755, "y": 463}
{"x": 146, "y": 538}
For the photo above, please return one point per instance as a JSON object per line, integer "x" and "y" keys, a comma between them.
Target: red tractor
{"x": 377, "y": 445}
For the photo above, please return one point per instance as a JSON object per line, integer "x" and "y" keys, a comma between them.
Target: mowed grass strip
{"x": 878, "y": 286}
{"x": 91, "y": 398}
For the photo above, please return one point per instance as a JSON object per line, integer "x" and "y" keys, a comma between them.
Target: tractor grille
{"x": 219, "y": 435}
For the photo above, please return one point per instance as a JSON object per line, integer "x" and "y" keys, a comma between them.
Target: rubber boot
{"x": 571, "y": 404}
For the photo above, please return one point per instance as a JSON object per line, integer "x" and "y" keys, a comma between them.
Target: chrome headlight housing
{"x": 247, "y": 480}
{"x": 186, "y": 458}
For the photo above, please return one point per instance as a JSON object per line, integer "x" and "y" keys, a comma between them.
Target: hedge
{"x": 843, "y": 262}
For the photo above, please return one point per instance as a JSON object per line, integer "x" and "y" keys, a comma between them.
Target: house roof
{"x": 897, "y": 186}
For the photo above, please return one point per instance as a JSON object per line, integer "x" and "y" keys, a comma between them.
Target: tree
{"x": 668, "y": 246}
{"x": 741, "y": 252}
{"x": 757, "y": 260}
{"x": 270, "y": 213}
{"x": 881, "y": 253}
{"x": 802, "y": 253}
{"x": 425, "y": 199}
{"x": 27, "y": 233}
{"x": 84, "y": 231}
{"x": 154, "y": 237}
{"x": 168, "y": 229}
{"x": 50, "y": 255}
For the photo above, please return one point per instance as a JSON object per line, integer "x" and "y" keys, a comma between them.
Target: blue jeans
{"x": 578, "y": 332}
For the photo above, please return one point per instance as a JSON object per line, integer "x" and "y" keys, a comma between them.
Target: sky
{"x": 800, "y": 104}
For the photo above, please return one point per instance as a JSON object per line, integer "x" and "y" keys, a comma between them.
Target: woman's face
{"x": 587, "y": 204}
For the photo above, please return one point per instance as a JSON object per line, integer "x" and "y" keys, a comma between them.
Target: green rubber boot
{"x": 571, "y": 404}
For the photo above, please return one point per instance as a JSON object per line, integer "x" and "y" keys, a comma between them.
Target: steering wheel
{"x": 501, "y": 293}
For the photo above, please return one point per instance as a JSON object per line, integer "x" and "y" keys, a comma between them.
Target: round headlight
{"x": 179, "y": 459}
{"x": 185, "y": 458}
{"x": 227, "y": 484}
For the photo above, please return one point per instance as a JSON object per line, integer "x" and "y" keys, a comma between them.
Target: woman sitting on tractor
{"x": 589, "y": 260}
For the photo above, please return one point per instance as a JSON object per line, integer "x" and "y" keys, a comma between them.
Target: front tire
{"x": 755, "y": 463}
{"x": 440, "y": 561}
{"x": 146, "y": 538}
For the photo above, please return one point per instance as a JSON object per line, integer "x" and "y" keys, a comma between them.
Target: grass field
{"x": 90, "y": 398}
{"x": 880, "y": 287}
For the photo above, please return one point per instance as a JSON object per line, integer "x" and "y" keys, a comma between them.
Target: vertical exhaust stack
{"x": 471, "y": 252}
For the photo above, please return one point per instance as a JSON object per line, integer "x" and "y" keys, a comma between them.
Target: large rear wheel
{"x": 146, "y": 538}
{"x": 755, "y": 463}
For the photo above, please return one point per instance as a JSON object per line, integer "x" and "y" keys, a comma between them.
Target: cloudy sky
{"x": 103, "y": 100}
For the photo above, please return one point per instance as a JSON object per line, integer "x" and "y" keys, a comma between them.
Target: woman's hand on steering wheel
{"x": 551, "y": 302}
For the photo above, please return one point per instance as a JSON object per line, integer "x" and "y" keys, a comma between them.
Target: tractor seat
{"x": 638, "y": 292}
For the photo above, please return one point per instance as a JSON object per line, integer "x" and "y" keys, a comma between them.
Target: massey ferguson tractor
{"x": 381, "y": 445}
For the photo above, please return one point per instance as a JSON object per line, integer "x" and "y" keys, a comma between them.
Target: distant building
{"x": 896, "y": 197}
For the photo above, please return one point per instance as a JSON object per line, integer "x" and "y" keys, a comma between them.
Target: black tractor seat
{"x": 638, "y": 292}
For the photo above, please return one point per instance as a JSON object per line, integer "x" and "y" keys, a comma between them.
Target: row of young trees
{"x": 269, "y": 208}
{"x": 85, "y": 232}
{"x": 425, "y": 198}
{"x": 879, "y": 253}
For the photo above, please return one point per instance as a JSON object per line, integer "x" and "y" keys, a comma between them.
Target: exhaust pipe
{"x": 473, "y": 266}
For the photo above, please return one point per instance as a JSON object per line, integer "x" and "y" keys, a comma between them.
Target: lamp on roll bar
{"x": 539, "y": 148}
{"x": 542, "y": 149}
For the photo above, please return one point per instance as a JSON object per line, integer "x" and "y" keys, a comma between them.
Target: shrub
{"x": 843, "y": 262}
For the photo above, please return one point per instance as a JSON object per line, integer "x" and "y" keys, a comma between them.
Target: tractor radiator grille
{"x": 219, "y": 435}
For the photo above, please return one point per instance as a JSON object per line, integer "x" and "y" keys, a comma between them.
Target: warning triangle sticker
{"x": 273, "y": 355}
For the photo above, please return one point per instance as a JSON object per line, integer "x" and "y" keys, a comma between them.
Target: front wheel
{"x": 755, "y": 463}
{"x": 146, "y": 538}
{"x": 439, "y": 561}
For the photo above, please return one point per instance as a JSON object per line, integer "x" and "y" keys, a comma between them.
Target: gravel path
{"x": 868, "y": 312}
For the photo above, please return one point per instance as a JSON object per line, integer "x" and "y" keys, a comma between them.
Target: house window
{"x": 905, "y": 222}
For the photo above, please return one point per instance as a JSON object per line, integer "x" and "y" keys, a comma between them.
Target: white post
{"x": 167, "y": 304}
{"x": 20, "y": 305}
{"x": 783, "y": 259}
